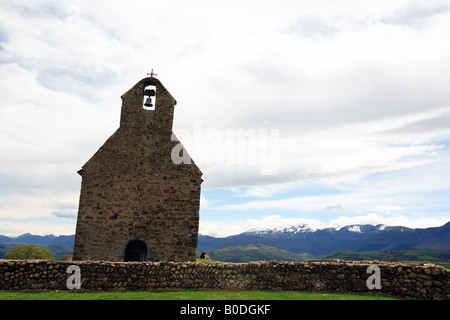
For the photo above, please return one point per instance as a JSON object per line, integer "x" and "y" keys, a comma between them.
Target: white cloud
{"x": 26, "y": 205}
{"x": 264, "y": 191}
{"x": 66, "y": 213}
{"x": 206, "y": 203}
{"x": 353, "y": 201}
{"x": 337, "y": 206}
{"x": 221, "y": 228}
{"x": 16, "y": 228}
{"x": 388, "y": 209}
{"x": 401, "y": 220}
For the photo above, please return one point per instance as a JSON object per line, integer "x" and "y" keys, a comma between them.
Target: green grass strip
{"x": 185, "y": 295}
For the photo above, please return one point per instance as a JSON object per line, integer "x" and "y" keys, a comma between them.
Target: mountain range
{"x": 28, "y": 238}
{"x": 299, "y": 240}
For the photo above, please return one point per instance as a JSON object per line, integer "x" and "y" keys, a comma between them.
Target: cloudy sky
{"x": 323, "y": 112}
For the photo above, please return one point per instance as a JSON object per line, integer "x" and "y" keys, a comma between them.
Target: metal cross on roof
{"x": 151, "y": 74}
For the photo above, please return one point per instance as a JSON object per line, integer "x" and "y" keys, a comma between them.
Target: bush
{"x": 66, "y": 257}
{"x": 27, "y": 252}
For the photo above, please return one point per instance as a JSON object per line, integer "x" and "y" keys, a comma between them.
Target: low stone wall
{"x": 396, "y": 279}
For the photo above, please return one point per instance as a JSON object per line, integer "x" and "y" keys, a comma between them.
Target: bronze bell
{"x": 148, "y": 103}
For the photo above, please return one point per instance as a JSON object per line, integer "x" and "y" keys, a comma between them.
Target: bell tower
{"x": 135, "y": 203}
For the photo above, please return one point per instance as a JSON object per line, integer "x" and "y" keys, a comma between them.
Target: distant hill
{"x": 441, "y": 257}
{"x": 257, "y": 252}
{"x": 35, "y": 239}
{"x": 57, "y": 245}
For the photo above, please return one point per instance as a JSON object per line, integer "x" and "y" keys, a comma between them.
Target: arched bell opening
{"x": 149, "y": 97}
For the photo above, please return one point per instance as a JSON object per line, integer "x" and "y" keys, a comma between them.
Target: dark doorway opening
{"x": 136, "y": 251}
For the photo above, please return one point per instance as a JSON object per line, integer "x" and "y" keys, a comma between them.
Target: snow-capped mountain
{"x": 363, "y": 228}
{"x": 301, "y": 228}
{"x": 295, "y": 229}
{"x": 319, "y": 242}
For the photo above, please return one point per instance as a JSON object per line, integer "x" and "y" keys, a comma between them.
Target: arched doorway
{"x": 136, "y": 250}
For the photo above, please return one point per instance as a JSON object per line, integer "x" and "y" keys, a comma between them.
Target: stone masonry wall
{"x": 132, "y": 190}
{"x": 397, "y": 279}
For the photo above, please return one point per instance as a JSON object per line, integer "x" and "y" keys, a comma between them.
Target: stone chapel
{"x": 136, "y": 203}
